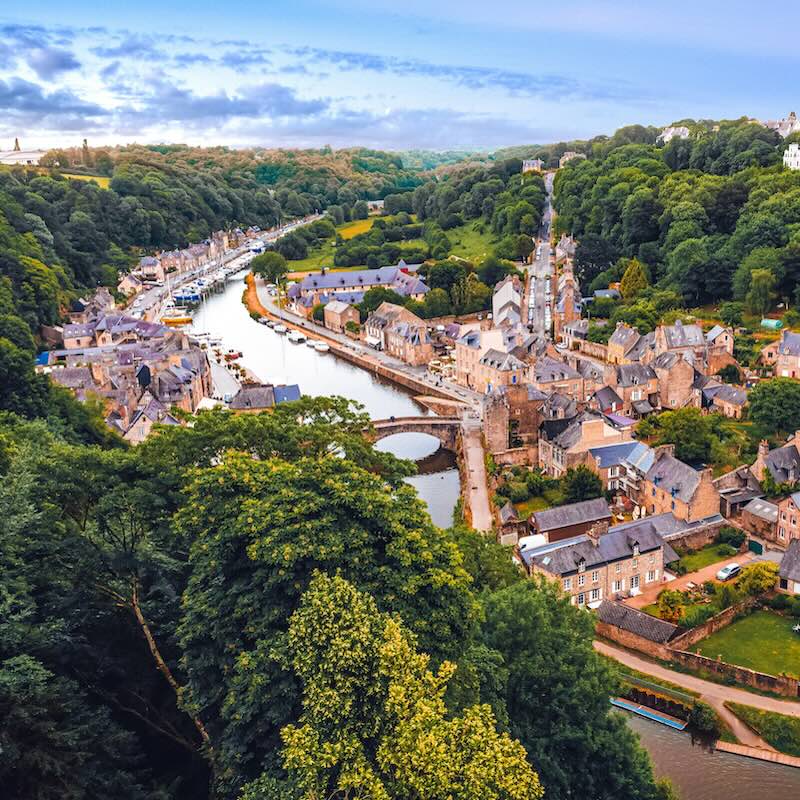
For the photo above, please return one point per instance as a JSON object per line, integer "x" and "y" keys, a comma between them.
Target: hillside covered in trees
{"x": 711, "y": 217}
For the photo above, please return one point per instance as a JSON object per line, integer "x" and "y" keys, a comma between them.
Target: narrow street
{"x": 538, "y": 300}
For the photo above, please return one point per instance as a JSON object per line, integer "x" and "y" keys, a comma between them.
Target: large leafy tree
{"x": 374, "y": 721}
{"x": 557, "y": 696}
{"x": 259, "y": 529}
{"x": 775, "y": 404}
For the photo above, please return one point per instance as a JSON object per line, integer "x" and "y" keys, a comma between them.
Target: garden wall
{"x": 594, "y": 349}
{"x": 696, "y": 538}
{"x": 517, "y": 456}
{"x": 769, "y": 683}
{"x": 633, "y": 641}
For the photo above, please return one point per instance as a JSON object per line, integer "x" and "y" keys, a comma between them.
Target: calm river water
{"x": 274, "y": 359}
{"x": 698, "y": 774}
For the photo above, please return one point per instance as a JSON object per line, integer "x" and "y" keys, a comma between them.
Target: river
{"x": 698, "y": 774}
{"x": 276, "y": 360}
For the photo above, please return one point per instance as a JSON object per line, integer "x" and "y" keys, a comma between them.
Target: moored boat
{"x": 321, "y": 347}
{"x": 280, "y": 328}
{"x": 297, "y": 337}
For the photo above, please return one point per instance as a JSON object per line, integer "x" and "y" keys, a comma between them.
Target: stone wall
{"x": 517, "y": 456}
{"x": 695, "y": 538}
{"x": 789, "y": 687}
{"x": 593, "y": 349}
{"x": 633, "y": 641}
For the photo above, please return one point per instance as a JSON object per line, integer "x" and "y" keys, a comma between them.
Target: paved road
{"x": 538, "y": 299}
{"x": 713, "y": 693}
{"x": 477, "y": 490}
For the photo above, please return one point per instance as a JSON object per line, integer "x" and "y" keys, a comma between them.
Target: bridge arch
{"x": 445, "y": 429}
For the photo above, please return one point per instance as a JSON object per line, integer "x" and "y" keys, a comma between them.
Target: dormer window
{"x": 582, "y": 565}
{"x": 635, "y": 549}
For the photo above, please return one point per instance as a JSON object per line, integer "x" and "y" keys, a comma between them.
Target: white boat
{"x": 311, "y": 342}
{"x": 297, "y": 337}
{"x": 321, "y": 347}
{"x": 280, "y": 328}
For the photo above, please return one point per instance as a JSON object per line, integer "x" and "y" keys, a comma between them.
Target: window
{"x": 581, "y": 599}
{"x": 654, "y": 491}
{"x": 652, "y": 558}
{"x": 581, "y": 565}
{"x": 581, "y": 580}
{"x": 673, "y": 505}
{"x": 652, "y": 574}
{"x": 618, "y": 586}
{"x": 634, "y": 581}
{"x": 595, "y": 595}
{"x": 781, "y": 532}
{"x": 783, "y": 516}
{"x": 567, "y": 583}
{"x": 618, "y": 567}
{"x": 595, "y": 575}
{"x": 635, "y": 549}
{"x": 634, "y": 564}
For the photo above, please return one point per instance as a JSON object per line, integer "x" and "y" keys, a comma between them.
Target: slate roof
{"x": 714, "y": 332}
{"x": 504, "y": 362}
{"x": 580, "y": 327}
{"x": 508, "y": 513}
{"x": 729, "y": 394}
{"x": 572, "y": 514}
{"x": 73, "y": 377}
{"x": 643, "y": 344}
{"x": 635, "y": 621}
{"x": 784, "y": 464}
{"x": 614, "y": 454}
{"x": 674, "y": 477}
{"x": 287, "y": 393}
{"x": 403, "y": 283}
{"x": 634, "y": 374}
{"x": 253, "y": 396}
{"x": 790, "y": 563}
{"x": 607, "y": 397}
{"x": 763, "y": 509}
{"x": 563, "y": 558}
{"x": 789, "y": 344}
{"x": 548, "y": 370}
{"x": 680, "y": 335}
{"x": 624, "y": 336}
{"x": 337, "y": 307}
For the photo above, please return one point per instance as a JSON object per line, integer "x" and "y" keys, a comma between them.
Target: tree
{"x": 775, "y": 404}
{"x": 374, "y": 721}
{"x": 756, "y": 579}
{"x": 318, "y": 312}
{"x": 436, "y": 304}
{"x": 634, "y": 280}
{"x": 271, "y": 266}
{"x": 671, "y": 604}
{"x": 761, "y": 296}
{"x": 557, "y": 693}
{"x": 731, "y": 313}
{"x": 581, "y": 483}
{"x": 690, "y": 431}
{"x": 729, "y": 374}
{"x": 360, "y": 210}
{"x": 259, "y": 529}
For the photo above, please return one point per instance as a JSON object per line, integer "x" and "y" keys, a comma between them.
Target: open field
{"x": 102, "y": 181}
{"x": 350, "y": 229}
{"x": 761, "y": 641}
{"x": 469, "y": 243}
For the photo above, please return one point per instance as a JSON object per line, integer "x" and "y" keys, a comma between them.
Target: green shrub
{"x": 732, "y": 536}
{"x": 780, "y": 602}
{"x": 794, "y": 608}
{"x": 709, "y": 587}
{"x": 704, "y": 720}
{"x": 696, "y": 615}
{"x": 727, "y": 550}
{"x": 519, "y": 491}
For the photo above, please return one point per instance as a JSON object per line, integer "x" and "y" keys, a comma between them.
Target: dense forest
{"x": 260, "y": 607}
{"x": 711, "y": 217}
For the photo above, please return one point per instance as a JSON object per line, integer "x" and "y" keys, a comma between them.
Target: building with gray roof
{"x": 636, "y": 622}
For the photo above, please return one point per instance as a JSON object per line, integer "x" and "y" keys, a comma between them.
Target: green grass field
{"x": 550, "y": 498}
{"x": 761, "y": 641}
{"x": 778, "y": 730}
{"x": 708, "y": 555}
{"x": 469, "y": 243}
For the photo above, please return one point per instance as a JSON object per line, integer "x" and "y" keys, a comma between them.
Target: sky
{"x": 431, "y": 74}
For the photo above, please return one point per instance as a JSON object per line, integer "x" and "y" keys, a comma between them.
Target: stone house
{"x": 783, "y": 355}
{"x": 637, "y": 387}
{"x": 149, "y": 413}
{"x": 471, "y": 346}
{"x": 511, "y": 527}
{"x": 622, "y": 467}
{"x": 496, "y": 368}
{"x": 725, "y": 399}
{"x": 400, "y": 333}
{"x": 789, "y": 570}
{"x": 604, "y": 562}
{"x": 575, "y": 332}
{"x": 129, "y": 284}
{"x": 674, "y": 487}
{"x": 782, "y": 463}
{"x": 507, "y": 301}
{"x": 338, "y": 314}
{"x": 565, "y": 522}
{"x": 621, "y": 343}
{"x": 550, "y": 375}
{"x": 676, "y": 376}
{"x": 151, "y": 268}
{"x": 760, "y": 517}
{"x": 563, "y": 443}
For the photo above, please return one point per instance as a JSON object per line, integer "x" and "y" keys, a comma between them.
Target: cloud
{"x": 129, "y": 45}
{"x": 47, "y": 62}
{"x": 241, "y": 60}
{"x": 187, "y": 59}
{"x": 547, "y": 85}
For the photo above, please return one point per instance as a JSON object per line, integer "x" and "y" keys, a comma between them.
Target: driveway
{"x": 650, "y": 593}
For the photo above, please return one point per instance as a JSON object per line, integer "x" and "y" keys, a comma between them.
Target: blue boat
{"x": 649, "y": 713}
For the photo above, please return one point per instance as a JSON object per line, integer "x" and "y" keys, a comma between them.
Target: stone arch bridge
{"x": 445, "y": 429}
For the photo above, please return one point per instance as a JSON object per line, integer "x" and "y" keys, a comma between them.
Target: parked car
{"x": 728, "y": 572}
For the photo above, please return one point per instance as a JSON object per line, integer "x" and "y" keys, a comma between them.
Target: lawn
{"x": 550, "y": 498}
{"x": 778, "y": 730}
{"x": 469, "y": 243}
{"x": 350, "y": 229}
{"x": 761, "y": 641}
{"x": 708, "y": 555}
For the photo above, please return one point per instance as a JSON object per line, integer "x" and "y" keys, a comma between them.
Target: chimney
{"x": 763, "y": 448}
{"x": 663, "y": 449}
{"x": 596, "y": 531}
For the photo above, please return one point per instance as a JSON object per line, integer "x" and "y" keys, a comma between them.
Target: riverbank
{"x": 399, "y": 376}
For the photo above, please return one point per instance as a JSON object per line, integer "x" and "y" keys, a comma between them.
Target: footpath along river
{"x": 274, "y": 359}
{"x": 698, "y": 774}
